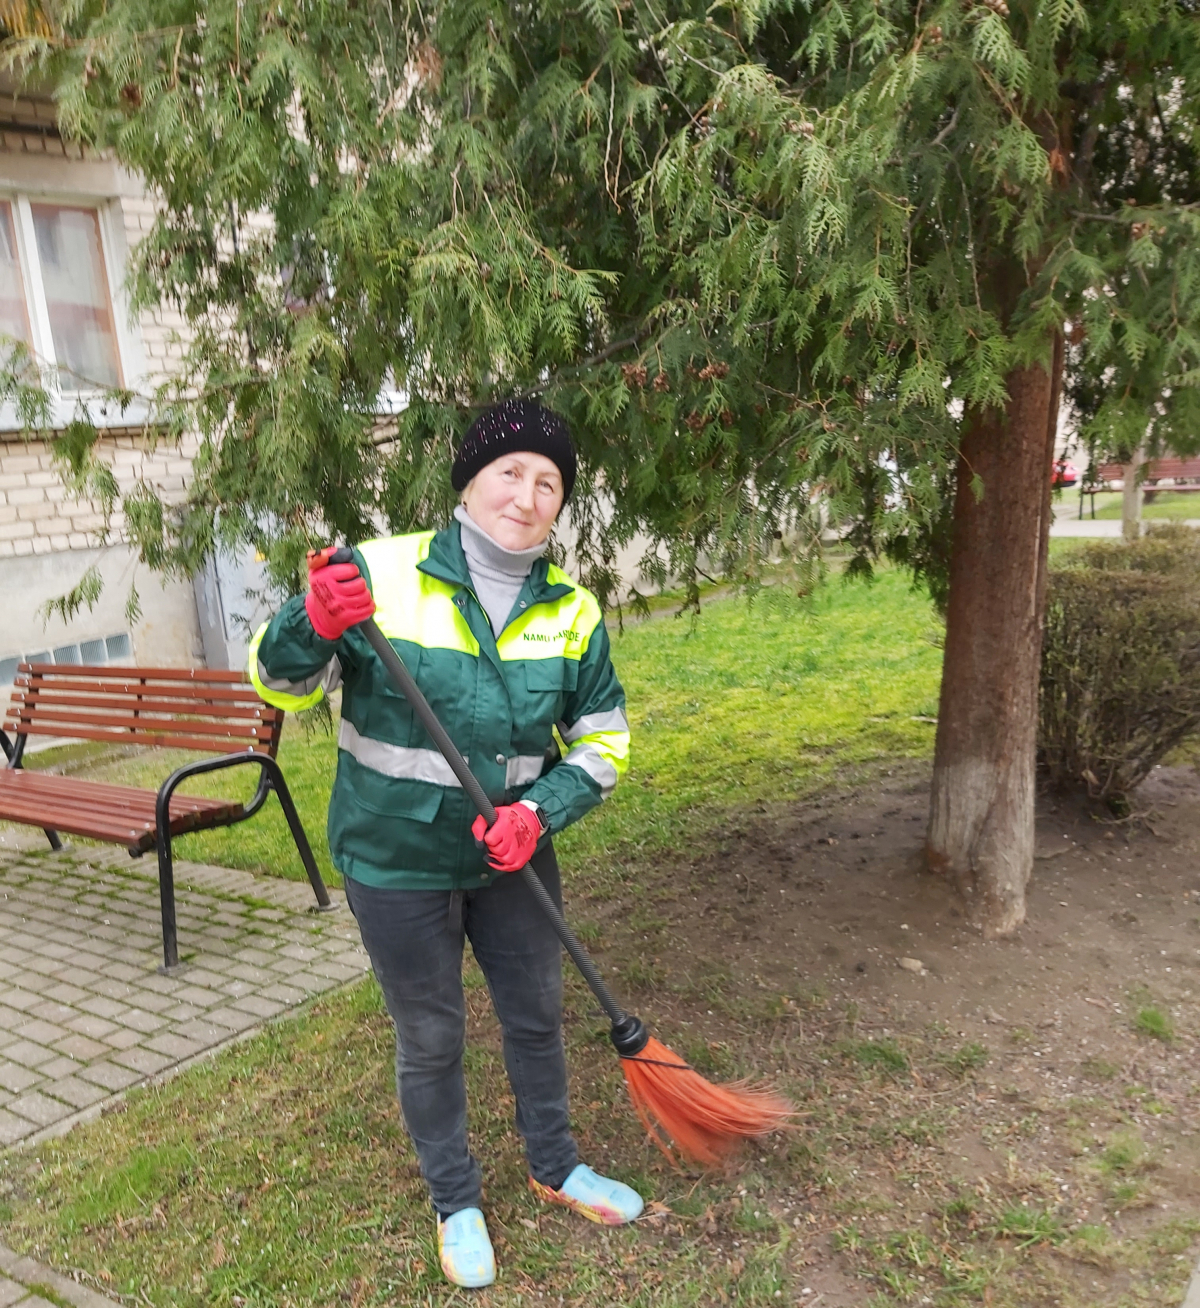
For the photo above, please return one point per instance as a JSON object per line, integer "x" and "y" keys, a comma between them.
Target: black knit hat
{"x": 515, "y": 427}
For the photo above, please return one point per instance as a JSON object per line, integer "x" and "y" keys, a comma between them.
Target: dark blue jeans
{"x": 415, "y": 942}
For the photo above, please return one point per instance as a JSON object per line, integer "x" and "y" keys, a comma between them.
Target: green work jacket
{"x": 397, "y": 816}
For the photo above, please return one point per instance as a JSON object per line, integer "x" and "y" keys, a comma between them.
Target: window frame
{"x": 65, "y": 398}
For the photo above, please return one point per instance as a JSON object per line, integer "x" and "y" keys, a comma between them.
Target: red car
{"x": 1063, "y": 473}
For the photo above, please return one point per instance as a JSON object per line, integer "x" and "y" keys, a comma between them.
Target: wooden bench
{"x": 218, "y": 713}
{"x": 1183, "y": 474}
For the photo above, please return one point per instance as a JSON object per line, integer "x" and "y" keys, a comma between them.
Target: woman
{"x": 505, "y": 646}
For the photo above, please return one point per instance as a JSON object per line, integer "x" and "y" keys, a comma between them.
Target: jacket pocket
{"x": 548, "y": 683}
{"x": 551, "y": 674}
{"x": 384, "y": 822}
{"x": 397, "y": 797}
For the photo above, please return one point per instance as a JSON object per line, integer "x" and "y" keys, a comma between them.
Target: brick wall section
{"x": 39, "y": 516}
{"x": 164, "y": 331}
{"x": 37, "y": 115}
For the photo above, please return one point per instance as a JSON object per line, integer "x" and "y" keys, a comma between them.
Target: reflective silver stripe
{"x": 328, "y": 679}
{"x": 400, "y": 761}
{"x": 410, "y": 764}
{"x": 523, "y": 769}
{"x": 590, "y": 723}
{"x": 333, "y": 676}
{"x": 600, "y": 770}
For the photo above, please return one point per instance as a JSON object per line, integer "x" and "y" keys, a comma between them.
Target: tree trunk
{"x": 982, "y": 806}
{"x": 1131, "y": 497}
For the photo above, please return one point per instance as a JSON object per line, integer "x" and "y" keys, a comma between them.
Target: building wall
{"x": 166, "y": 635}
{"x": 48, "y": 538}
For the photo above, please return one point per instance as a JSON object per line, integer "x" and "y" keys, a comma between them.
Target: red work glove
{"x": 511, "y": 839}
{"x": 338, "y": 596}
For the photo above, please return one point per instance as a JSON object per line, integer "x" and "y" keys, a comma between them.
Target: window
{"x": 14, "y": 312}
{"x": 54, "y": 291}
{"x": 109, "y": 649}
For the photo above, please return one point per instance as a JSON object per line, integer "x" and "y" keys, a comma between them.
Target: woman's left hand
{"x": 511, "y": 839}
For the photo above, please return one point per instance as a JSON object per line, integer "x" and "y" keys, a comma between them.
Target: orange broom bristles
{"x": 703, "y": 1121}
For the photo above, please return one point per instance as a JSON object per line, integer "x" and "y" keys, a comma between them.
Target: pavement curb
{"x": 1192, "y": 1298}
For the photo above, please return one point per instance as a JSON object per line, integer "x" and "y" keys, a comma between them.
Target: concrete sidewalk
{"x": 84, "y": 1013}
{"x": 1103, "y": 528}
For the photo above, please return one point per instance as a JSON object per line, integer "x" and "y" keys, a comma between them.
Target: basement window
{"x": 117, "y": 649}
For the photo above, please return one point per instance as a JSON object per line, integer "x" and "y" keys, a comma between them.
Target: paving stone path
{"x": 25, "y": 1283}
{"x": 84, "y": 1012}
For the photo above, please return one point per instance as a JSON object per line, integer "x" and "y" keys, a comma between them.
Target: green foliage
{"x": 83, "y": 594}
{"x": 968, "y": 1058}
{"x": 1120, "y": 681}
{"x": 757, "y": 254}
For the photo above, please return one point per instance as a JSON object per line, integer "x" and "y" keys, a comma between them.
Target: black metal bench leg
{"x": 166, "y": 895}
{"x": 298, "y": 835}
{"x": 52, "y": 837}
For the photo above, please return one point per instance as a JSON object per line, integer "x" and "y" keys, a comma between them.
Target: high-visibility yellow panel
{"x": 278, "y": 698}
{"x": 560, "y": 629}
{"x": 410, "y": 605}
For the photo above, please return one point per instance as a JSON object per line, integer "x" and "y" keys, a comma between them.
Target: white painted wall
{"x": 167, "y": 634}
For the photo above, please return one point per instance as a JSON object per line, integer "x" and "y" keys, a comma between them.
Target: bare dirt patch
{"x": 985, "y": 1121}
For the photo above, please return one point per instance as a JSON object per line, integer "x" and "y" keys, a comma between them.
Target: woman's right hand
{"x": 338, "y": 595}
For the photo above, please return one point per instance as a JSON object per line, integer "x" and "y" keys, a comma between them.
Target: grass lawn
{"x": 747, "y": 702}
{"x": 1164, "y": 506}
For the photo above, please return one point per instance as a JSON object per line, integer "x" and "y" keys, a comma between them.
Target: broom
{"x": 676, "y": 1105}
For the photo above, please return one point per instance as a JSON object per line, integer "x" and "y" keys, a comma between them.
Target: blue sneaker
{"x": 466, "y": 1250}
{"x": 599, "y": 1199}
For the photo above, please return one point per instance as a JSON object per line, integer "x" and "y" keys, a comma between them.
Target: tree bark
{"x": 1131, "y": 497}
{"x": 982, "y": 806}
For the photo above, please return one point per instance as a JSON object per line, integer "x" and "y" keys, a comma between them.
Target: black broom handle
{"x": 467, "y": 779}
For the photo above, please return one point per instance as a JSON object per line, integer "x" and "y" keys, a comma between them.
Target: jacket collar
{"x": 447, "y": 562}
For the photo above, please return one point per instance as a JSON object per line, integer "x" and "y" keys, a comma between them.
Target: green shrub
{"x": 1120, "y": 683}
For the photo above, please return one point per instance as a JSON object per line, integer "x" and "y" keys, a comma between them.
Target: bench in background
{"x": 1182, "y": 474}
{"x": 218, "y": 713}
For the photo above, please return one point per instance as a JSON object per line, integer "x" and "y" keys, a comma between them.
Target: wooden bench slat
{"x": 101, "y": 811}
{"x": 55, "y": 787}
{"x": 33, "y": 714}
{"x": 44, "y": 697}
{"x": 198, "y": 676}
{"x": 215, "y": 712}
{"x": 244, "y": 694}
{"x": 111, "y": 831}
{"x": 209, "y": 746}
{"x": 1158, "y": 469}
{"x": 74, "y": 793}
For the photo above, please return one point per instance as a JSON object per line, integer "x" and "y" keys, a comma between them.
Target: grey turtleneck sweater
{"x": 497, "y": 574}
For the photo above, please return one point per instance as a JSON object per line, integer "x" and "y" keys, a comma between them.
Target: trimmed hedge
{"x": 1120, "y": 683}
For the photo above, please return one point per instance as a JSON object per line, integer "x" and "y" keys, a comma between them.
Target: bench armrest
{"x": 270, "y": 778}
{"x": 268, "y": 773}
